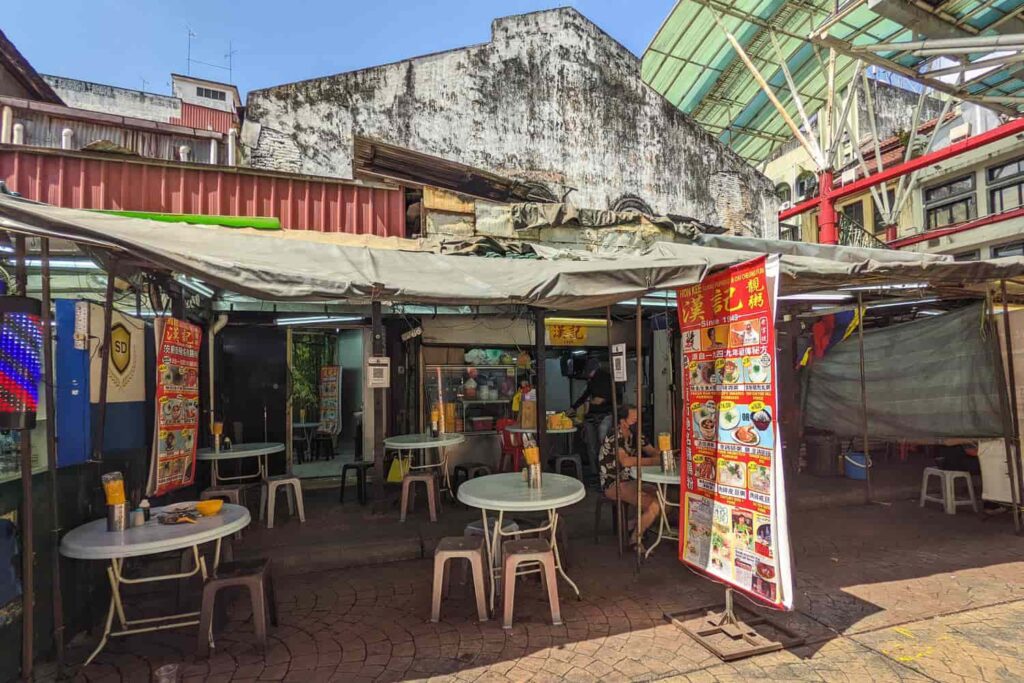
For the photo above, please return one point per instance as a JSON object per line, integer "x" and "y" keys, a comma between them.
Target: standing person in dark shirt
{"x": 598, "y": 420}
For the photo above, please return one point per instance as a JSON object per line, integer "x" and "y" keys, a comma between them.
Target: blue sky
{"x": 122, "y": 42}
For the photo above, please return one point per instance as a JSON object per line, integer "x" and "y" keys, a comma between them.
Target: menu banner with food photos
{"x": 330, "y": 400}
{"x": 177, "y": 405}
{"x": 733, "y": 513}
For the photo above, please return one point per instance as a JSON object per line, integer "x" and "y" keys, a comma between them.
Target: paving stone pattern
{"x": 885, "y": 593}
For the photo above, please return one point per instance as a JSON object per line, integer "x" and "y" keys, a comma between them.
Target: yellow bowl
{"x": 208, "y": 508}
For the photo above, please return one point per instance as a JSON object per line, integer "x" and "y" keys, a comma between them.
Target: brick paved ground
{"x": 885, "y": 593}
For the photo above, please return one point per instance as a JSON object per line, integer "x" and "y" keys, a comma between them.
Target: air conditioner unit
{"x": 961, "y": 132}
{"x": 848, "y": 176}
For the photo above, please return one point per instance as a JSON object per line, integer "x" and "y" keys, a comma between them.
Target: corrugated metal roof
{"x": 205, "y": 118}
{"x": 86, "y": 181}
{"x": 691, "y": 62}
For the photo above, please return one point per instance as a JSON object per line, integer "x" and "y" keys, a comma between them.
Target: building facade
{"x": 551, "y": 101}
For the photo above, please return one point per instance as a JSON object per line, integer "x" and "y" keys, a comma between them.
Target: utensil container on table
{"x": 117, "y": 517}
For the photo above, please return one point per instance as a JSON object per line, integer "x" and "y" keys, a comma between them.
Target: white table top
{"x": 533, "y": 430}
{"x": 92, "y": 541}
{"x": 240, "y": 450}
{"x": 654, "y": 475}
{"x": 412, "y": 442}
{"x": 509, "y": 492}
{"x": 305, "y": 425}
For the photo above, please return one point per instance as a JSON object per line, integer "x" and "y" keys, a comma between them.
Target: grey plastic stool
{"x": 576, "y": 460}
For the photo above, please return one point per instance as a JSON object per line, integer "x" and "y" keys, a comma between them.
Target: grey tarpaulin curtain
{"x": 928, "y": 379}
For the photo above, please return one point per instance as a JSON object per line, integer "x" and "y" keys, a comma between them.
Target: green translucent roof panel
{"x": 691, "y": 62}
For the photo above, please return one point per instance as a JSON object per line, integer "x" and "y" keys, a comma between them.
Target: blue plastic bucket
{"x": 856, "y": 465}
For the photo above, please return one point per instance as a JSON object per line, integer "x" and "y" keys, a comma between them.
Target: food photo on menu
{"x": 705, "y": 419}
{"x": 745, "y": 424}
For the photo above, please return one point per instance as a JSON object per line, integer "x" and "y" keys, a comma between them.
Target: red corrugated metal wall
{"x": 82, "y": 181}
{"x": 205, "y": 118}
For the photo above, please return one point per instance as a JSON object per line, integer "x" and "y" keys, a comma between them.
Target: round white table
{"x": 508, "y": 492}
{"x": 237, "y": 451}
{"x": 653, "y": 474}
{"x": 92, "y": 541}
{"x": 423, "y": 443}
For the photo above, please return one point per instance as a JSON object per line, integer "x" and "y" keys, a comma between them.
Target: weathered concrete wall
{"x": 113, "y": 100}
{"x": 894, "y": 110}
{"x": 551, "y": 99}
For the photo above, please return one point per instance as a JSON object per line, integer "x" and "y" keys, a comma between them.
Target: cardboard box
{"x": 528, "y": 415}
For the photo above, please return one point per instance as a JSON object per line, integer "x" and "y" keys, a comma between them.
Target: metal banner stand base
{"x": 730, "y": 638}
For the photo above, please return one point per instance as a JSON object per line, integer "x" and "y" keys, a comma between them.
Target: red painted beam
{"x": 974, "y": 142}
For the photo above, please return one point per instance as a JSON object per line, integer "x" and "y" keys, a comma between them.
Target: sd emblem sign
{"x": 120, "y": 348}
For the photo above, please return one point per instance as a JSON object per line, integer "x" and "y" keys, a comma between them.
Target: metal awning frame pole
{"x": 28, "y": 550}
{"x": 863, "y": 399}
{"x": 539, "y": 351}
{"x": 104, "y": 351}
{"x": 615, "y": 427}
{"x": 814, "y": 153}
{"x": 795, "y": 92}
{"x": 1013, "y": 436}
{"x": 49, "y": 389}
{"x": 638, "y": 444}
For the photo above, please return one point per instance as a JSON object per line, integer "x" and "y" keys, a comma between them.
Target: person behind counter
{"x": 598, "y": 420}
{"x": 615, "y": 457}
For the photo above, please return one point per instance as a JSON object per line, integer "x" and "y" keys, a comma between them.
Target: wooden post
{"x": 615, "y": 426}
{"x": 28, "y": 549}
{"x": 1016, "y": 476}
{"x": 377, "y": 337}
{"x": 539, "y": 350}
{"x": 639, "y": 427}
{"x": 863, "y": 399}
{"x": 49, "y": 380}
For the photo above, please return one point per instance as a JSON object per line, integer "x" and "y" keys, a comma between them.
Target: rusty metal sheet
{"x": 82, "y": 181}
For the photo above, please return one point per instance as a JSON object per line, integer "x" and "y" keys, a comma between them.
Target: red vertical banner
{"x": 733, "y": 512}
{"x": 177, "y": 405}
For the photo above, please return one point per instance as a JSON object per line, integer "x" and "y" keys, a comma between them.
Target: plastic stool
{"x": 533, "y": 550}
{"x": 453, "y": 548}
{"x": 618, "y": 514}
{"x": 469, "y": 470}
{"x": 268, "y": 497}
{"x": 359, "y": 467}
{"x": 576, "y": 460}
{"x": 409, "y": 494}
{"x": 947, "y": 484}
{"x": 251, "y": 574}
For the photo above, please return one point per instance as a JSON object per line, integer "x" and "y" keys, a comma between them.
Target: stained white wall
{"x": 551, "y": 99}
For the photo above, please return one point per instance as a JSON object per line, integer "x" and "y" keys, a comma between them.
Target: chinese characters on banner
{"x": 733, "y": 515}
{"x": 177, "y": 405}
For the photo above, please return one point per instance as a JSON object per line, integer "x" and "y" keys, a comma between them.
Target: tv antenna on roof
{"x": 230, "y": 56}
{"x": 188, "y": 52}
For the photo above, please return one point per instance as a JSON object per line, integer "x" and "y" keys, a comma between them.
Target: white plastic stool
{"x": 947, "y": 484}
{"x": 268, "y": 497}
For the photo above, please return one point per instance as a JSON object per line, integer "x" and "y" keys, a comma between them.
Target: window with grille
{"x": 950, "y": 203}
{"x": 211, "y": 94}
{"x": 1006, "y": 186}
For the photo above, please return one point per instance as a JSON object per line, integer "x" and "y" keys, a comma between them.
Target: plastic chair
{"x": 268, "y": 497}
{"x": 510, "y": 447}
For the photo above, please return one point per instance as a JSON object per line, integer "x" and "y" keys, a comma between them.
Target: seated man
{"x": 615, "y": 482}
